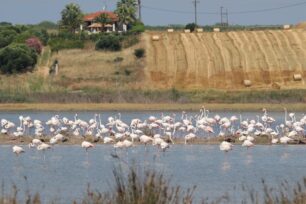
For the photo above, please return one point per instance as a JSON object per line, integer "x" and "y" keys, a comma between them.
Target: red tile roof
{"x": 93, "y": 16}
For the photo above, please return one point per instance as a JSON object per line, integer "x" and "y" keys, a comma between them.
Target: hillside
{"x": 223, "y": 60}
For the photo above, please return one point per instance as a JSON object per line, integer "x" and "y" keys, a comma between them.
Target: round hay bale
{"x": 276, "y": 85}
{"x": 286, "y": 27}
{"x": 247, "y": 83}
{"x": 187, "y": 31}
{"x": 216, "y": 29}
{"x": 200, "y": 30}
{"x": 297, "y": 77}
{"x": 155, "y": 38}
{"x": 170, "y": 30}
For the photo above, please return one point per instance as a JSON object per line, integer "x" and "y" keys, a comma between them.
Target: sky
{"x": 164, "y": 12}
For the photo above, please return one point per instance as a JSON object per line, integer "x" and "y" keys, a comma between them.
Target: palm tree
{"x": 126, "y": 11}
{"x": 103, "y": 19}
{"x": 72, "y": 17}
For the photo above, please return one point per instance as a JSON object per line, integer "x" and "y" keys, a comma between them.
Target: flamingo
{"x": 164, "y": 145}
{"x": 247, "y": 144}
{"x": 225, "y": 146}
{"x": 18, "y": 150}
{"x": 35, "y": 143}
{"x": 87, "y": 145}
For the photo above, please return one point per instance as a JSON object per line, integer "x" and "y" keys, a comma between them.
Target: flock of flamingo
{"x": 158, "y": 131}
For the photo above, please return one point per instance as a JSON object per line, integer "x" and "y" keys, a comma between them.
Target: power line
{"x": 232, "y": 13}
{"x": 269, "y": 9}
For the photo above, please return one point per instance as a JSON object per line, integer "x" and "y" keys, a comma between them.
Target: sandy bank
{"x": 146, "y": 107}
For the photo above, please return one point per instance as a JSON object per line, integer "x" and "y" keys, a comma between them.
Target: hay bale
{"x": 286, "y": 27}
{"x": 297, "y": 77}
{"x": 187, "y": 31}
{"x": 216, "y": 29}
{"x": 200, "y": 30}
{"x": 247, "y": 83}
{"x": 170, "y": 30}
{"x": 155, "y": 38}
{"x": 276, "y": 85}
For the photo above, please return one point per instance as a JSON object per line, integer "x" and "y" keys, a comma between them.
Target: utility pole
{"x": 221, "y": 15}
{"x": 224, "y": 17}
{"x": 139, "y": 9}
{"x": 195, "y": 2}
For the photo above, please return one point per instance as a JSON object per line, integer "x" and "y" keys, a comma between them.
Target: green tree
{"x": 7, "y": 37}
{"x": 191, "y": 26}
{"x": 17, "y": 58}
{"x": 103, "y": 19}
{"x": 72, "y": 17}
{"x": 126, "y": 11}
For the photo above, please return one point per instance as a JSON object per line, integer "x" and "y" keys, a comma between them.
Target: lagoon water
{"x": 66, "y": 170}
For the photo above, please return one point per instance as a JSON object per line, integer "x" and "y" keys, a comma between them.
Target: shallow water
{"x": 66, "y": 170}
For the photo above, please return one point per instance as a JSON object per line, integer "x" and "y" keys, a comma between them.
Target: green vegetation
{"x": 209, "y": 28}
{"x": 109, "y": 42}
{"x": 191, "y": 27}
{"x": 7, "y": 36}
{"x": 137, "y": 28}
{"x": 50, "y": 93}
{"x": 103, "y": 19}
{"x": 139, "y": 53}
{"x": 131, "y": 185}
{"x": 72, "y": 17}
{"x": 17, "y": 58}
{"x": 126, "y": 11}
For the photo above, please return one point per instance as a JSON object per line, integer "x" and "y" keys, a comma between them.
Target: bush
{"x": 35, "y": 44}
{"x": 139, "y": 53}
{"x": 7, "y": 36}
{"x": 191, "y": 26}
{"x": 109, "y": 42}
{"x": 137, "y": 28}
{"x": 60, "y": 44}
{"x": 17, "y": 58}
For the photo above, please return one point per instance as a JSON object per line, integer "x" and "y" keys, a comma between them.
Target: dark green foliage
{"x": 41, "y": 34}
{"x": 126, "y": 11}
{"x": 17, "y": 58}
{"x": 139, "y": 53}
{"x": 47, "y": 25}
{"x": 72, "y": 17}
{"x": 61, "y": 44}
{"x": 5, "y": 24}
{"x": 191, "y": 26}
{"x": 109, "y": 42}
{"x": 129, "y": 40}
{"x": 7, "y": 36}
{"x": 127, "y": 72}
{"x": 137, "y": 28}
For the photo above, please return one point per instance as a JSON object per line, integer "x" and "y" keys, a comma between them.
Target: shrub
{"x": 137, "y": 28}
{"x": 60, "y": 44}
{"x": 130, "y": 40}
{"x": 139, "y": 53}
{"x": 191, "y": 26}
{"x": 109, "y": 42}
{"x": 17, "y": 58}
{"x": 7, "y": 36}
{"x": 35, "y": 44}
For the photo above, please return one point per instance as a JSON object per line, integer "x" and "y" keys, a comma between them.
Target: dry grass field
{"x": 90, "y": 69}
